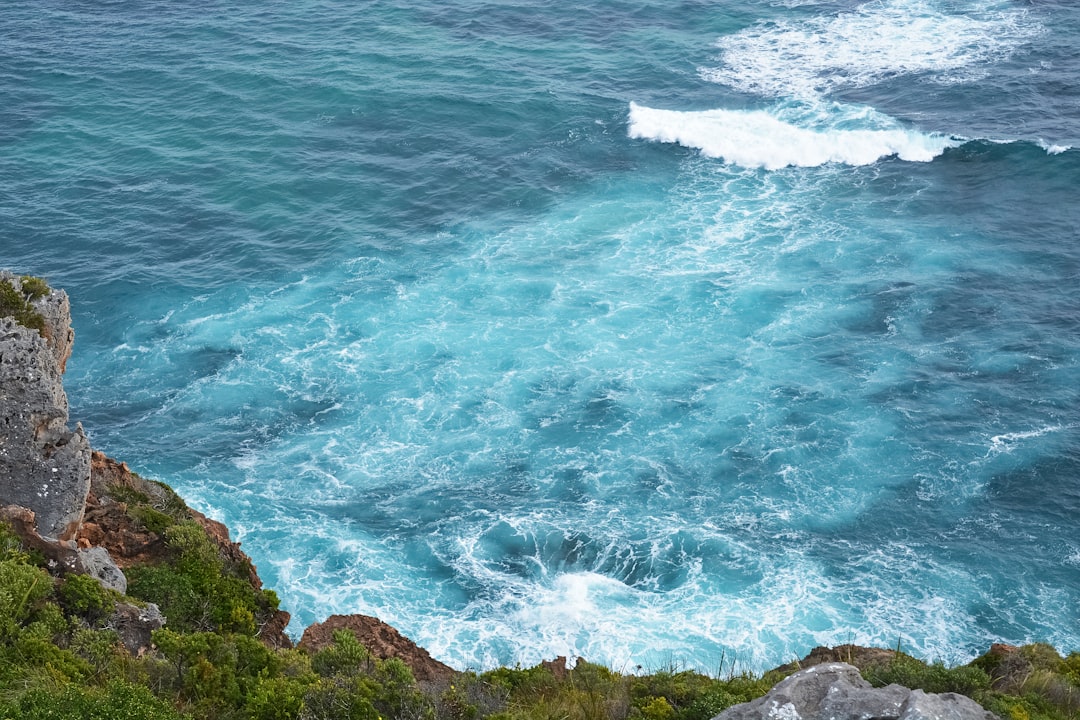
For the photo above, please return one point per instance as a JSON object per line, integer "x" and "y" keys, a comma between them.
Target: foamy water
{"x": 645, "y": 335}
{"x": 760, "y": 139}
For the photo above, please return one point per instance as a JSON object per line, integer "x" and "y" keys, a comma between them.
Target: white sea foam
{"x": 1052, "y": 148}
{"x": 875, "y": 42}
{"x": 806, "y": 59}
{"x": 758, "y": 138}
{"x": 1006, "y": 442}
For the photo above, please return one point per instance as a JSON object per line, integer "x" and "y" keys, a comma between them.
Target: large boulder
{"x": 96, "y": 563}
{"x": 44, "y": 465}
{"x": 836, "y": 691}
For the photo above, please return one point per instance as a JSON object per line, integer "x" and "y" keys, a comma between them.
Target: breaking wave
{"x": 765, "y": 139}
{"x": 801, "y": 62}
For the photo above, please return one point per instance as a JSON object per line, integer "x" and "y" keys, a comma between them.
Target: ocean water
{"x": 648, "y": 332}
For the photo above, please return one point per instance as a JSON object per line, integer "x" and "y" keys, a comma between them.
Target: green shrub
{"x": 22, "y": 587}
{"x": 517, "y": 679}
{"x": 1009, "y": 708}
{"x": 1041, "y": 656}
{"x": 10, "y": 546}
{"x": 157, "y": 496}
{"x": 656, "y": 708}
{"x": 341, "y": 698}
{"x": 14, "y": 305}
{"x": 932, "y": 678}
{"x": 276, "y": 698}
{"x": 118, "y": 701}
{"x": 49, "y": 621}
{"x": 198, "y": 556}
{"x": 151, "y": 518}
{"x": 470, "y": 695}
{"x": 397, "y": 694}
{"x": 36, "y": 650}
{"x": 11, "y": 301}
{"x": 34, "y": 287}
{"x": 1031, "y": 683}
{"x": 84, "y": 596}
{"x": 691, "y": 695}
{"x": 128, "y": 495}
{"x": 712, "y": 702}
{"x": 198, "y": 591}
{"x": 359, "y": 683}
{"x": 205, "y": 666}
{"x": 346, "y": 657}
{"x": 99, "y": 648}
{"x": 232, "y": 676}
{"x": 1070, "y": 668}
{"x": 1030, "y": 706}
{"x": 173, "y": 593}
{"x": 454, "y": 703}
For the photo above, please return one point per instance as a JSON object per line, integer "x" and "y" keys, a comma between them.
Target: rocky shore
{"x": 172, "y": 594}
{"x": 74, "y": 505}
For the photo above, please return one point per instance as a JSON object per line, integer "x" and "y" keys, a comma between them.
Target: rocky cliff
{"x": 86, "y": 513}
{"x": 44, "y": 464}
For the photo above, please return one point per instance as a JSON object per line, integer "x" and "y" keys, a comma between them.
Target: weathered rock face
{"x": 44, "y": 465}
{"x": 61, "y": 556}
{"x": 97, "y": 563}
{"x": 836, "y": 691}
{"x": 133, "y": 624}
{"x": 381, "y": 640}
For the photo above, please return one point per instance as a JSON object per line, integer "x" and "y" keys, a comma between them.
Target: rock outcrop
{"x": 44, "y": 465}
{"x": 109, "y": 525}
{"x": 134, "y": 624}
{"x": 97, "y": 563}
{"x": 381, "y": 640}
{"x": 836, "y": 691}
{"x": 62, "y": 557}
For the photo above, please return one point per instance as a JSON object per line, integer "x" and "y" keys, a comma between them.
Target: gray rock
{"x": 836, "y": 691}
{"x": 946, "y": 706}
{"x": 97, "y": 563}
{"x": 56, "y": 309}
{"x": 62, "y": 557}
{"x": 44, "y": 465}
{"x": 134, "y": 624}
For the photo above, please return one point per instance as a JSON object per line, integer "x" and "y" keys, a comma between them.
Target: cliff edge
{"x": 89, "y": 514}
{"x": 44, "y": 464}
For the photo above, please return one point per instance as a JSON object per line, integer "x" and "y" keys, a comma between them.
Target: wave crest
{"x": 766, "y": 139}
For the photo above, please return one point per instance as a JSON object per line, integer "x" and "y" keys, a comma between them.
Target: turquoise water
{"x": 646, "y": 332}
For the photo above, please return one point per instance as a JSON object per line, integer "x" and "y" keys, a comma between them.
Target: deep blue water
{"x": 647, "y": 332}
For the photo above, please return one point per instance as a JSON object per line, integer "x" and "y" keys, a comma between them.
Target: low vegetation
{"x": 196, "y": 590}
{"x": 61, "y": 660}
{"x": 16, "y": 303}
